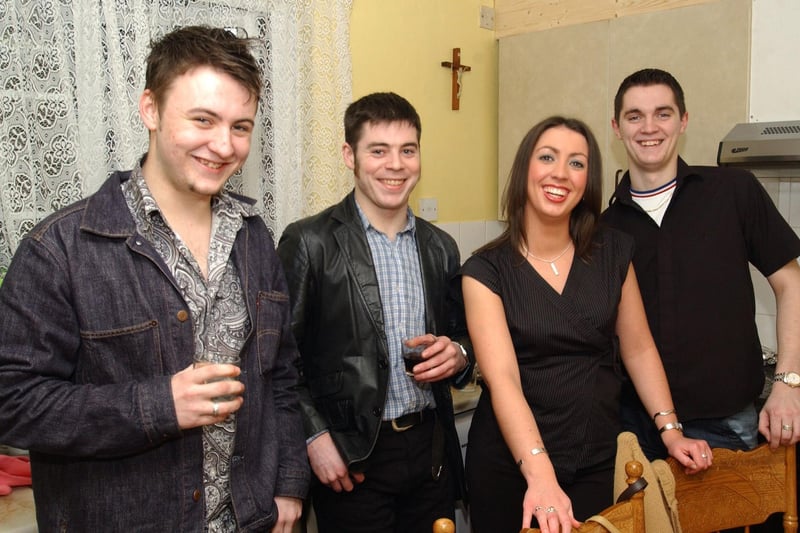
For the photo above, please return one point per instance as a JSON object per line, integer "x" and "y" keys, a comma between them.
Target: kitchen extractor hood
{"x": 768, "y": 149}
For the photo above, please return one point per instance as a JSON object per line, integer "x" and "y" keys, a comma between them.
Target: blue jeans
{"x": 736, "y": 432}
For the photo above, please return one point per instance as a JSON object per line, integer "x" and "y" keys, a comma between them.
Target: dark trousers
{"x": 399, "y": 493}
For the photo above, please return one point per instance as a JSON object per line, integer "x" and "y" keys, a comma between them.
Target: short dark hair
{"x": 645, "y": 78}
{"x": 378, "y": 108}
{"x": 584, "y": 217}
{"x": 189, "y": 47}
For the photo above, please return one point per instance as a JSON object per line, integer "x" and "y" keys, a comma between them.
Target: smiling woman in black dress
{"x": 546, "y": 303}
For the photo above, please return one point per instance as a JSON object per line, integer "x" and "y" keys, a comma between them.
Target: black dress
{"x": 567, "y": 353}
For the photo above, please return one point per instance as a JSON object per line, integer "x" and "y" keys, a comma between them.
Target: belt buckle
{"x": 400, "y": 429}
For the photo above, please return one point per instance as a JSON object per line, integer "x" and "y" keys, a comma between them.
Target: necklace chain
{"x": 552, "y": 261}
{"x": 666, "y": 196}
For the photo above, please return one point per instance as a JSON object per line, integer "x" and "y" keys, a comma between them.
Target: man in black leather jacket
{"x": 364, "y": 276}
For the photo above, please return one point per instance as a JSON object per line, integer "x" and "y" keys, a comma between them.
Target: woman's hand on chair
{"x": 552, "y": 508}
{"x": 694, "y": 454}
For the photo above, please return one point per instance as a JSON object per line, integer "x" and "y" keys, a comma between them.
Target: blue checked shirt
{"x": 403, "y": 301}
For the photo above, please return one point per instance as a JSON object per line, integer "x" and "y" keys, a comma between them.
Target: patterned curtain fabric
{"x": 71, "y": 73}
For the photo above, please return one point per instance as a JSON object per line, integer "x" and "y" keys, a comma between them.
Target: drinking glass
{"x": 204, "y": 359}
{"x": 412, "y": 355}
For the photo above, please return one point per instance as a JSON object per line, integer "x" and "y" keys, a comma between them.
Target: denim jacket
{"x": 92, "y": 328}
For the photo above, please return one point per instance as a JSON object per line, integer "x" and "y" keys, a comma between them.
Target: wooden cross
{"x": 457, "y": 70}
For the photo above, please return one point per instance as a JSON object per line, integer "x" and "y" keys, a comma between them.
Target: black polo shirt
{"x": 693, "y": 272}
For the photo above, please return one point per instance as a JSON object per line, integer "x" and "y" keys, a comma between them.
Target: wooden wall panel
{"x": 513, "y": 17}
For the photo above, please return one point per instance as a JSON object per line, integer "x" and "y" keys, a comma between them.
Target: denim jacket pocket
{"x": 120, "y": 354}
{"x": 271, "y": 308}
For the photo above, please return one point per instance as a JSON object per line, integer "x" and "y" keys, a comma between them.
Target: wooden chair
{"x": 627, "y": 516}
{"x": 740, "y": 489}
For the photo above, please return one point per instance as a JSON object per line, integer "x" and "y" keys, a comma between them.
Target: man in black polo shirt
{"x": 697, "y": 229}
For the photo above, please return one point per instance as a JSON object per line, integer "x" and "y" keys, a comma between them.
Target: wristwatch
{"x": 790, "y": 378}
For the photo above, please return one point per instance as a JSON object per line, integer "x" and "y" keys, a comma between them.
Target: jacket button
{"x": 383, "y": 363}
{"x": 182, "y": 315}
{"x": 196, "y": 495}
{"x": 377, "y": 411}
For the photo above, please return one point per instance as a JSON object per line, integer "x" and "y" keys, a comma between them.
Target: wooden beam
{"x": 513, "y": 17}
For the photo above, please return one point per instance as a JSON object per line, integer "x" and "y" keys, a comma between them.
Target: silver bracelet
{"x": 667, "y": 427}
{"x": 663, "y": 413}
{"x": 534, "y": 451}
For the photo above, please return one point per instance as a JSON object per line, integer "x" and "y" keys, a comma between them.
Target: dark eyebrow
{"x": 376, "y": 145}
{"x": 636, "y": 110}
{"x": 559, "y": 151}
{"x": 205, "y": 111}
{"x": 373, "y": 145}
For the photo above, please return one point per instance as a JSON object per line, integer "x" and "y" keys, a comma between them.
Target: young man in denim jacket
{"x": 108, "y": 301}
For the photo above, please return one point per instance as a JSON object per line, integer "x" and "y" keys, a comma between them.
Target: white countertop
{"x": 17, "y": 511}
{"x": 465, "y": 399}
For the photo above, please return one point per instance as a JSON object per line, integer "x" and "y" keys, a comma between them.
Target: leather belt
{"x": 405, "y": 422}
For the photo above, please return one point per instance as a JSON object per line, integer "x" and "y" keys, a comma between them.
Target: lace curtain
{"x": 72, "y": 72}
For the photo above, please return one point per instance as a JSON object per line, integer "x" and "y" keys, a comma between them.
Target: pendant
{"x": 555, "y": 270}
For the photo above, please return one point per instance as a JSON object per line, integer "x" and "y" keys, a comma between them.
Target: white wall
{"x": 774, "y": 76}
{"x": 774, "y": 79}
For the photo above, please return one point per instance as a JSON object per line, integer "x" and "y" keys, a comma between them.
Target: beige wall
{"x": 399, "y": 47}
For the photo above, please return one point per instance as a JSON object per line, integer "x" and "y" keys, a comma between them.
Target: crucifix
{"x": 457, "y": 70}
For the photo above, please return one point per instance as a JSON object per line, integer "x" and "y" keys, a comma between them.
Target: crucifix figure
{"x": 457, "y": 70}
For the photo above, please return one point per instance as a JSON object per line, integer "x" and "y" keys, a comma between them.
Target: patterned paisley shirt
{"x": 219, "y": 318}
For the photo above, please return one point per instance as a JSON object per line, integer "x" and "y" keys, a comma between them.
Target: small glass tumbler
{"x": 205, "y": 359}
{"x": 412, "y": 356}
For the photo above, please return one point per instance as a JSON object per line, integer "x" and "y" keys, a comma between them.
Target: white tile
{"x": 784, "y": 202}
{"x": 794, "y": 209}
{"x": 472, "y": 236}
{"x": 450, "y": 227}
{"x": 773, "y": 187}
{"x": 494, "y": 228}
{"x": 765, "y": 298}
{"x": 766, "y": 331}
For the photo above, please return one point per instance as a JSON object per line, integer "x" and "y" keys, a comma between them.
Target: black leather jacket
{"x": 337, "y": 319}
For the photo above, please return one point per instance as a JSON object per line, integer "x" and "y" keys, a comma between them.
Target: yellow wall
{"x": 399, "y": 46}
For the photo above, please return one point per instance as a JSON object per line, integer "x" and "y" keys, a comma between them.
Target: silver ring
{"x": 215, "y": 409}
{"x": 537, "y": 508}
{"x": 704, "y": 456}
{"x": 786, "y": 427}
{"x": 550, "y": 509}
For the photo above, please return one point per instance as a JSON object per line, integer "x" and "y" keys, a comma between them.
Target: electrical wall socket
{"x": 487, "y": 18}
{"x": 429, "y": 209}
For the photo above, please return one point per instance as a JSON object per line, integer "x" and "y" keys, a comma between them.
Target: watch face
{"x": 792, "y": 379}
